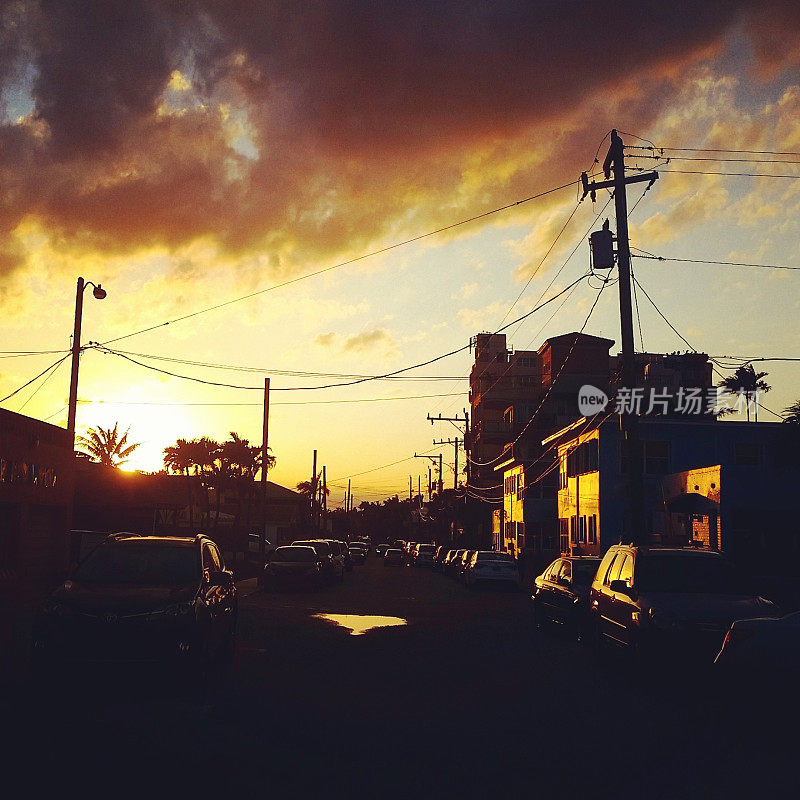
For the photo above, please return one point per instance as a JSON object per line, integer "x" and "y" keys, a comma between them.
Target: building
{"x": 36, "y": 483}
{"x": 724, "y": 485}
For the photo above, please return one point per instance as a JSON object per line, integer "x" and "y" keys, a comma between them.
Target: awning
{"x": 692, "y": 503}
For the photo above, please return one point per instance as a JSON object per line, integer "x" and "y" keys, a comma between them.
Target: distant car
{"x": 461, "y": 564}
{"x": 669, "y": 601}
{"x": 292, "y": 566}
{"x": 452, "y": 561}
{"x": 358, "y": 553}
{"x": 767, "y": 648}
{"x": 423, "y": 555}
{"x": 487, "y": 567}
{"x": 381, "y": 549}
{"x": 141, "y": 598}
{"x": 439, "y": 557}
{"x": 340, "y": 550}
{"x": 254, "y": 546}
{"x": 394, "y": 557}
{"x": 332, "y": 566}
{"x": 561, "y": 593}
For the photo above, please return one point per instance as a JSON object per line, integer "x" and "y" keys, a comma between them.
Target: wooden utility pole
{"x": 409, "y": 489}
{"x": 455, "y": 442}
{"x": 349, "y": 501}
{"x": 314, "y": 492}
{"x": 324, "y": 496}
{"x": 615, "y": 163}
{"x": 264, "y": 470}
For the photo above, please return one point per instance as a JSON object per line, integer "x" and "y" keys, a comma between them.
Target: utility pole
{"x": 455, "y": 442}
{"x": 615, "y": 162}
{"x": 314, "y": 492}
{"x": 324, "y": 495}
{"x": 264, "y": 466}
{"x": 456, "y": 421}
{"x": 348, "y": 499}
{"x": 434, "y": 459}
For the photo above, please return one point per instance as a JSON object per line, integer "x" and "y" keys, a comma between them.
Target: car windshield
{"x": 426, "y": 548}
{"x": 583, "y": 572}
{"x": 142, "y": 564}
{"x": 492, "y": 556}
{"x": 286, "y": 554}
{"x": 321, "y": 548}
{"x": 685, "y": 572}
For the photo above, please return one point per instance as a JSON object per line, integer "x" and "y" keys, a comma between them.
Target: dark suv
{"x": 142, "y": 598}
{"x": 669, "y": 600}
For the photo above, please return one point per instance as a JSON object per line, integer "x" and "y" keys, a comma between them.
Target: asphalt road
{"x": 464, "y": 699}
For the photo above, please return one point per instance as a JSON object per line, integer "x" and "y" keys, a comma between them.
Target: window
{"x": 613, "y": 571}
{"x": 745, "y": 454}
{"x": 573, "y": 533}
{"x": 565, "y": 571}
{"x": 582, "y": 530}
{"x": 563, "y": 535}
{"x": 626, "y": 571}
{"x": 209, "y": 562}
{"x": 592, "y": 532}
{"x": 656, "y": 458}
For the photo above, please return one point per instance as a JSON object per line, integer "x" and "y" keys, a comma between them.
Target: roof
{"x": 586, "y": 338}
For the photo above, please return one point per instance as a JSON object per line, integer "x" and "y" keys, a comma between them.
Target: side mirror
{"x": 622, "y": 587}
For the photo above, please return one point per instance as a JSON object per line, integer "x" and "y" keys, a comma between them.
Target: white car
{"x": 490, "y": 567}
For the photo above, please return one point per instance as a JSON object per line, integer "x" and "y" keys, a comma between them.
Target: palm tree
{"x": 746, "y": 381}
{"x": 178, "y": 458}
{"x": 106, "y": 446}
{"x": 240, "y": 462}
{"x": 791, "y": 414}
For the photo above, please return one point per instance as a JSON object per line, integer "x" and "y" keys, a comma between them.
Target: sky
{"x": 263, "y": 177}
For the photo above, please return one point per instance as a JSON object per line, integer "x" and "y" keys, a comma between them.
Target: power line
{"x": 101, "y": 348}
{"x": 33, "y": 394}
{"x": 730, "y": 174}
{"x": 288, "y": 403}
{"x": 709, "y": 261}
{"x": 35, "y": 378}
{"x": 349, "y": 261}
{"x": 712, "y": 150}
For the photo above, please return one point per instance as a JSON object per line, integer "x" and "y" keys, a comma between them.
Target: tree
{"x": 106, "y": 446}
{"x": 310, "y": 489}
{"x": 746, "y": 381}
{"x": 178, "y": 458}
{"x": 239, "y": 463}
{"x": 791, "y": 414}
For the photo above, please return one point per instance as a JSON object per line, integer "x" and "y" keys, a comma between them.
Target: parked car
{"x": 332, "y": 566}
{"x": 461, "y": 564}
{"x": 292, "y": 566}
{"x": 410, "y": 549}
{"x": 381, "y": 549}
{"x": 762, "y": 647}
{"x": 141, "y": 598}
{"x": 439, "y": 557}
{"x": 487, "y": 567}
{"x": 561, "y": 593}
{"x": 669, "y": 601}
{"x": 451, "y": 562}
{"x": 254, "y": 546}
{"x": 394, "y": 557}
{"x": 423, "y": 555}
{"x": 358, "y": 553}
{"x": 341, "y": 551}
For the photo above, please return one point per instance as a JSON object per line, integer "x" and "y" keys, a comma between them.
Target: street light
{"x": 100, "y": 293}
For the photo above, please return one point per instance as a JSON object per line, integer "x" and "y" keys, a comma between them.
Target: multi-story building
{"x": 724, "y": 485}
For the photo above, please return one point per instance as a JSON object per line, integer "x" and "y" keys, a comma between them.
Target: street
{"x": 463, "y": 699}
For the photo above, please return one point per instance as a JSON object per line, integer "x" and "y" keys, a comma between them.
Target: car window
{"x": 626, "y": 570}
{"x": 551, "y": 572}
{"x": 602, "y": 570}
{"x": 142, "y": 564}
{"x": 218, "y": 556}
{"x": 565, "y": 571}
{"x": 613, "y": 571}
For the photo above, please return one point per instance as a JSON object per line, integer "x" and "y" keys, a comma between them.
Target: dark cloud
{"x": 360, "y": 119}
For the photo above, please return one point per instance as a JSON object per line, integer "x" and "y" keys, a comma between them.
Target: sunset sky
{"x": 186, "y": 155}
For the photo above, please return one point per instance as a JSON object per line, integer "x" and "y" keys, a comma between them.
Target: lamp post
{"x": 99, "y": 294}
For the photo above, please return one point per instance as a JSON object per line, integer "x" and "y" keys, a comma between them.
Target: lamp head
{"x": 99, "y": 292}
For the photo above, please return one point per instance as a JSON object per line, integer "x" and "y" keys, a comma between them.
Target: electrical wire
{"x": 35, "y": 378}
{"x": 103, "y": 349}
{"x": 714, "y": 150}
{"x": 33, "y": 394}
{"x": 347, "y": 262}
{"x": 652, "y": 257}
{"x": 279, "y": 403}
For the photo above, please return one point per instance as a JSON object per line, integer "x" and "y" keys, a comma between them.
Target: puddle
{"x": 360, "y": 623}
